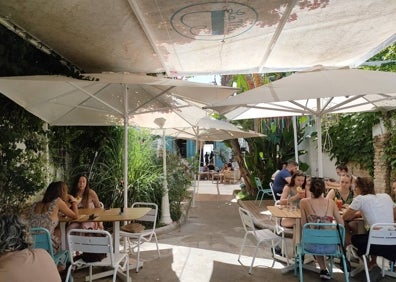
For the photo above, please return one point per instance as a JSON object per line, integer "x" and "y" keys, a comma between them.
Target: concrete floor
{"x": 205, "y": 248}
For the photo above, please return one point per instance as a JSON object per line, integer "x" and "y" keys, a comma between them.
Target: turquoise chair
{"x": 261, "y": 190}
{"x": 42, "y": 240}
{"x": 326, "y": 235}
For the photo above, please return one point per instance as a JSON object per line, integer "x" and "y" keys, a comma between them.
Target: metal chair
{"x": 99, "y": 242}
{"x": 321, "y": 239}
{"x": 136, "y": 239}
{"x": 42, "y": 240}
{"x": 261, "y": 236}
{"x": 381, "y": 242}
{"x": 271, "y": 185}
{"x": 261, "y": 190}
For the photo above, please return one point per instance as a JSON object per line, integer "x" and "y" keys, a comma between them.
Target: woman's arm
{"x": 330, "y": 195}
{"x": 285, "y": 195}
{"x": 69, "y": 212}
{"x": 95, "y": 198}
{"x": 303, "y": 208}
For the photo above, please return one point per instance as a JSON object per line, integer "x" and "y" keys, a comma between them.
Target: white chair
{"x": 136, "y": 239}
{"x": 281, "y": 230}
{"x": 260, "y": 236}
{"x": 271, "y": 185}
{"x": 381, "y": 242}
{"x": 95, "y": 241}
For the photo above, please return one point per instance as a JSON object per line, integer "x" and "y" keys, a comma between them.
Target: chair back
{"x": 42, "y": 239}
{"x": 151, "y": 216}
{"x": 258, "y": 183}
{"x": 271, "y": 185}
{"x": 90, "y": 241}
{"x": 247, "y": 220}
{"x": 322, "y": 234}
{"x": 382, "y": 234}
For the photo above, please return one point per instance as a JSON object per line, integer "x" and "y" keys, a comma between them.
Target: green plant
{"x": 22, "y": 156}
{"x": 351, "y": 137}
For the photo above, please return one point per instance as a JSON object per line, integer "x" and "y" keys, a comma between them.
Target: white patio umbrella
{"x": 207, "y": 129}
{"x": 108, "y": 99}
{"x": 315, "y": 93}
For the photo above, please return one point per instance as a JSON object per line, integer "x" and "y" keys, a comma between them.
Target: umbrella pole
{"x": 295, "y": 138}
{"x": 165, "y": 212}
{"x": 197, "y": 175}
{"x": 319, "y": 130}
{"x": 125, "y": 180}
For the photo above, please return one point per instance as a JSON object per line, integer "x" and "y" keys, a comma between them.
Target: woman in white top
{"x": 375, "y": 208}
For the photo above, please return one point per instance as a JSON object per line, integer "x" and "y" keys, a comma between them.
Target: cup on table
{"x": 291, "y": 207}
{"x": 339, "y": 204}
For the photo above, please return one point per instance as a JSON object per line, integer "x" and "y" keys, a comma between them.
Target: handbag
{"x": 347, "y": 262}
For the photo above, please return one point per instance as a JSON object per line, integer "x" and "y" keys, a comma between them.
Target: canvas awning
{"x": 205, "y": 37}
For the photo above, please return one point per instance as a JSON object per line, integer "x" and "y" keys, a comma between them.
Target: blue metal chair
{"x": 261, "y": 190}
{"x": 321, "y": 239}
{"x": 42, "y": 240}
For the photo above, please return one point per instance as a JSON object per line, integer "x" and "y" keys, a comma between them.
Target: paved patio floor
{"x": 206, "y": 246}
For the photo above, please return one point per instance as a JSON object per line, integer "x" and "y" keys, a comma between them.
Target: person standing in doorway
{"x": 284, "y": 177}
{"x": 206, "y": 158}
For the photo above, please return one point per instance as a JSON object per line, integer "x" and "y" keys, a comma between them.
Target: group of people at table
{"x": 324, "y": 200}
{"x": 14, "y": 236}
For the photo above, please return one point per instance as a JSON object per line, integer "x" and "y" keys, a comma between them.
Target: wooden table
{"x": 101, "y": 215}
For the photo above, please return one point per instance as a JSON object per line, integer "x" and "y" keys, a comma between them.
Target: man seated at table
{"x": 375, "y": 208}
{"x": 283, "y": 178}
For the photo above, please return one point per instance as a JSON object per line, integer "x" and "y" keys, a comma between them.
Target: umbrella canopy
{"x": 315, "y": 93}
{"x": 209, "y": 129}
{"x": 205, "y": 37}
{"x": 205, "y": 129}
{"x": 109, "y": 99}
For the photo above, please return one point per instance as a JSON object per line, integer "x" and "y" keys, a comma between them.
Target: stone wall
{"x": 381, "y": 172}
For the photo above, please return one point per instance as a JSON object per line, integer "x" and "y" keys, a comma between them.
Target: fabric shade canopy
{"x": 205, "y": 37}
{"x": 315, "y": 93}
{"x": 209, "y": 129}
{"x": 109, "y": 99}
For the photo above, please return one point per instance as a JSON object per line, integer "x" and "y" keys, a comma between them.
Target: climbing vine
{"x": 352, "y": 140}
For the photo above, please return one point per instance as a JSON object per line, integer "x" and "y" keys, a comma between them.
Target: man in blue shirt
{"x": 284, "y": 177}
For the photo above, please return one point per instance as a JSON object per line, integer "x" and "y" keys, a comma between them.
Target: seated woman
{"x": 45, "y": 213}
{"x": 291, "y": 196}
{"x": 344, "y": 193}
{"x": 318, "y": 207}
{"x": 375, "y": 208}
{"x": 89, "y": 200}
{"x": 18, "y": 261}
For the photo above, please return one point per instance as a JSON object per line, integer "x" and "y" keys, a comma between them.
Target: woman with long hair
{"x": 46, "y": 212}
{"x": 88, "y": 199}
